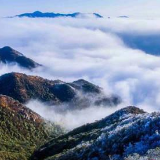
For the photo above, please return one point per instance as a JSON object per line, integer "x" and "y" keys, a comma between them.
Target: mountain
{"x": 21, "y": 130}
{"x": 123, "y": 17}
{"x": 38, "y": 14}
{"x": 125, "y": 132}
{"x": 152, "y": 154}
{"x": 9, "y": 55}
{"x": 79, "y": 94}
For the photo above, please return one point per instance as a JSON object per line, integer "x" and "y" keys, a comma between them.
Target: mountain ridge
{"x": 118, "y": 136}
{"x": 38, "y": 14}
{"x": 9, "y": 55}
{"x": 77, "y": 95}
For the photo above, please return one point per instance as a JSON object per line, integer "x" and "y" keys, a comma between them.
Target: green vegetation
{"x": 20, "y": 136}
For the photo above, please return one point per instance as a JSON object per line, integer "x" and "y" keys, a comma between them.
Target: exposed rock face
{"x": 9, "y": 55}
{"x": 127, "y": 131}
{"x": 79, "y": 94}
{"x": 38, "y": 14}
{"x": 22, "y": 130}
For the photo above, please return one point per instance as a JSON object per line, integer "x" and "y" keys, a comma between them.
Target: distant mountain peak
{"x": 9, "y": 55}
{"x": 98, "y": 15}
{"x": 9, "y": 50}
{"x": 39, "y": 14}
{"x": 123, "y": 17}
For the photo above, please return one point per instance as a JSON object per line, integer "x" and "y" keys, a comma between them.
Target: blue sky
{"x": 105, "y": 7}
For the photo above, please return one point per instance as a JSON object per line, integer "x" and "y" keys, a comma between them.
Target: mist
{"x": 96, "y": 50}
{"x": 72, "y": 118}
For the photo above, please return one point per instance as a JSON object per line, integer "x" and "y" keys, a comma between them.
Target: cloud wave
{"x": 91, "y": 49}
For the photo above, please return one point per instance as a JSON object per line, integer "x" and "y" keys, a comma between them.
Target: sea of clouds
{"x": 116, "y": 54}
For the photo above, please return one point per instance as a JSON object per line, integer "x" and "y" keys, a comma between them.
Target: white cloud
{"x": 91, "y": 49}
{"x": 70, "y": 119}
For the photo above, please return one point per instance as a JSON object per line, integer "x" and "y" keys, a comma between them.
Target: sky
{"x": 136, "y": 8}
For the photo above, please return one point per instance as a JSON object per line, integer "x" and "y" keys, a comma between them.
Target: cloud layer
{"x": 91, "y": 49}
{"x": 71, "y": 119}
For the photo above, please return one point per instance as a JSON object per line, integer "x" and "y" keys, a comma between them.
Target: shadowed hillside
{"x": 77, "y": 95}
{"x": 9, "y": 55}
